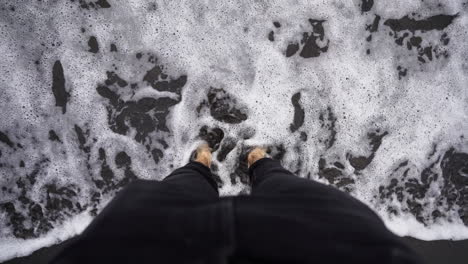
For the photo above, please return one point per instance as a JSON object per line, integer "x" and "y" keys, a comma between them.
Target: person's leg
{"x": 194, "y": 180}
{"x": 152, "y": 221}
{"x": 288, "y": 218}
{"x": 269, "y": 178}
{"x": 187, "y": 186}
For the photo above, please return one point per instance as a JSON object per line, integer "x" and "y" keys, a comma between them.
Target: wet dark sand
{"x": 441, "y": 251}
{"x": 145, "y": 120}
{"x": 433, "y": 252}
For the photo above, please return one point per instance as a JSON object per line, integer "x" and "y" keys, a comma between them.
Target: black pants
{"x": 286, "y": 219}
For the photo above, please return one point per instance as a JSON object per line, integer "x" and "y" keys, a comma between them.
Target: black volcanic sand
{"x": 432, "y": 252}
{"x": 145, "y": 121}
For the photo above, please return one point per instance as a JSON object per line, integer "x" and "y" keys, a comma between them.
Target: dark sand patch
{"x": 58, "y": 86}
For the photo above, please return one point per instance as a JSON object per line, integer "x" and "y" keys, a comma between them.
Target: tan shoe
{"x": 203, "y": 155}
{"x": 256, "y": 154}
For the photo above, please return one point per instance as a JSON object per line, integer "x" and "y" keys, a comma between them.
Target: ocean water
{"x": 368, "y": 96}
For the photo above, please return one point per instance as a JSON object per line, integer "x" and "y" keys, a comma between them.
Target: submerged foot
{"x": 203, "y": 155}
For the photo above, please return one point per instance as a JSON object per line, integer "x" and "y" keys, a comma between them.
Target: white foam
{"x": 15, "y": 247}
{"x": 406, "y": 225}
{"x": 224, "y": 44}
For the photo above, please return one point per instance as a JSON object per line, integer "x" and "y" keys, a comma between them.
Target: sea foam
{"x": 93, "y": 96}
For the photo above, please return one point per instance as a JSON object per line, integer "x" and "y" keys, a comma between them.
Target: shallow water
{"x": 369, "y": 96}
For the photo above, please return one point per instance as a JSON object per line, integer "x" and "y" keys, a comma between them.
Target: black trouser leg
{"x": 270, "y": 178}
{"x": 293, "y": 220}
{"x": 193, "y": 180}
{"x": 155, "y": 222}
